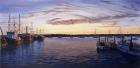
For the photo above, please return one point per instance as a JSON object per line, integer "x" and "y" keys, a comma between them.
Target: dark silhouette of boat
{"x": 127, "y": 49}
{"x": 102, "y": 45}
{"x": 38, "y": 38}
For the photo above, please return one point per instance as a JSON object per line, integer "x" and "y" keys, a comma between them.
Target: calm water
{"x": 64, "y": 53}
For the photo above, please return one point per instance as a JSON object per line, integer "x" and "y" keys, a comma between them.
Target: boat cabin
{"x": 11, "y": 35}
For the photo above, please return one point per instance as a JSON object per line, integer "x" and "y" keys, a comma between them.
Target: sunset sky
{"x": 73, "y": 16}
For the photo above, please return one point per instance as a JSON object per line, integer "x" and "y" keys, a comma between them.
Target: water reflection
{"x": 64, "y": 53}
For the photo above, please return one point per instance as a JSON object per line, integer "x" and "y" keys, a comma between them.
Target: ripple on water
{"x": 60, "y": 52}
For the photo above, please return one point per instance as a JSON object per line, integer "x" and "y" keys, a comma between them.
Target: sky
{"x": 14, "y": 6}
{"x": 79, "y": 9}
{"x": 25, "y": 6}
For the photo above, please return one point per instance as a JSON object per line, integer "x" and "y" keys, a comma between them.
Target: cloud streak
{"x": 26, "y": 6}
{"x": 87, "y": 9}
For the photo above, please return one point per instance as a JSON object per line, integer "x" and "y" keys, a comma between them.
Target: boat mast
{"x": 26, "y": 29}
{"x": 14, "y": 25}
{"x": 1, "y": 38}
{"x": 120, "y": 30}
{"x": 19, "y": 25}
{"x": 1, "y": 31}
{"x": 31, "y": 28}
{"x": 9, "y": 22}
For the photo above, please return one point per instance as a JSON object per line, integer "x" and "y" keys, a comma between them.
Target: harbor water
{"x": 64, "y": 53}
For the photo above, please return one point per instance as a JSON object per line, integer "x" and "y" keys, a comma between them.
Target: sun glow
{"x": 84, "y": 28}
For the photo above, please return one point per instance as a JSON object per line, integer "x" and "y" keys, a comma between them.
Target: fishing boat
{"x": 3, "y": 41}
{"x": 127, "y": 49}
{"x": 38, "y": 37}
{"x": 106, "y": 45}
{"x": 12, "y": 38}
{"x": 100, "y": 45}
{"x": 12, "y": 35}
{"x": 27, "y": 37}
